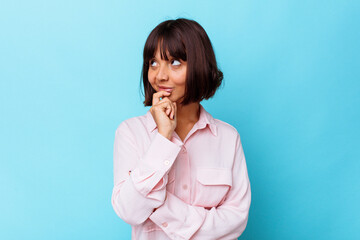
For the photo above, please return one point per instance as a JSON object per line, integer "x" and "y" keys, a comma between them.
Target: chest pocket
{"x": 211, "y": 186}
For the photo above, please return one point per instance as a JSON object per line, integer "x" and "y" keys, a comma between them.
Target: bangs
{"x": 170, "y": 43}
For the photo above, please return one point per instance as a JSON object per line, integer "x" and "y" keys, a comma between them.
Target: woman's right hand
{"x": 164, "y": 113}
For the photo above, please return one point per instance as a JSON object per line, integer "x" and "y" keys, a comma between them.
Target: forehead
{"x": 166, "y": 47}
{"x": 161, "y": 50}
{"x": 163, "y": 54}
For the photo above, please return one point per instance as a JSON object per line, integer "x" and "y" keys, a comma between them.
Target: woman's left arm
{"x": 180, "y": 220}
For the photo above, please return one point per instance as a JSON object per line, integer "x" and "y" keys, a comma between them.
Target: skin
{"x": 168, "y": 113}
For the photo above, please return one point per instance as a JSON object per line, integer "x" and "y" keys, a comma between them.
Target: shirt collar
{"x": 205, "y": 119}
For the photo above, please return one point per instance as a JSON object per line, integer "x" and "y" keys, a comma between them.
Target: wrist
{"x": 166, "y": 135}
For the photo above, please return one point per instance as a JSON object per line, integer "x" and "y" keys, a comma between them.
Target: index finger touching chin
{"x": 159, "y": 96}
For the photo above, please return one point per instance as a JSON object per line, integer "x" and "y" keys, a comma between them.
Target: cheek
{"x": 180, "y": 79}
{"x": 151, "y": 77}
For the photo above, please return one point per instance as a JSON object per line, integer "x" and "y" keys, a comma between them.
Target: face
{"x": 168, "y": 75}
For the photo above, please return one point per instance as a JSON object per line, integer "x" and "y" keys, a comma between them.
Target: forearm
{"x": 144, "y": 188}
{"x": 181, "y": 220}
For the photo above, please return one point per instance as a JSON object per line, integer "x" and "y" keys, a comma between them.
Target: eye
{"x": 152, "y": 62}
{"x": 175, "y": 62}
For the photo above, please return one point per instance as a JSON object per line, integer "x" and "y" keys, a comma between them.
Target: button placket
{"x": 183, "y": 189}
{"x": 183, "y": 150}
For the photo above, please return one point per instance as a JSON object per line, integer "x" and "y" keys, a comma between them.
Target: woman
{"x": 178, "y": 172}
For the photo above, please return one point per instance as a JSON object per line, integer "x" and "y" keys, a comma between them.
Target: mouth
{"x": 165, "y": 89}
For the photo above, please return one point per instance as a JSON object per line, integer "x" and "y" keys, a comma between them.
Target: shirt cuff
{"x": 161, "y": 153}
{"x": 155, "y": 164}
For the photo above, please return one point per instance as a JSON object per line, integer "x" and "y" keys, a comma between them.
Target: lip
{"x": 162, "y": 88}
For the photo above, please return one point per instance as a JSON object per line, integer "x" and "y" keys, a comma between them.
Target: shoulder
{"x": 132, "y": 125}
{"x": 225, "y": 128}
{"x": 228, "y": 134}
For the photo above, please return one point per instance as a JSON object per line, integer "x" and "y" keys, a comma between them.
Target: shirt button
{"x": 167, "y": 162}
{"x": 183, "y": 150}
{"x": 164, "y": 224}
{"x": 184, "y": 186}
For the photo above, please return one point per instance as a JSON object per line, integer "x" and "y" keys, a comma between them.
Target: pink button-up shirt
{"x": 172, "y": 189}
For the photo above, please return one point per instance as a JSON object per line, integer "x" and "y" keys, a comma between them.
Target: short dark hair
{"x": 184, "y": 39}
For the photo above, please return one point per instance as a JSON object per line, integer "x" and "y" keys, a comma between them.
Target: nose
{"x": 162, "y": 74}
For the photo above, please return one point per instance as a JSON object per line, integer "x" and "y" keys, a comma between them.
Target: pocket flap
{"x": 214, "y": 176}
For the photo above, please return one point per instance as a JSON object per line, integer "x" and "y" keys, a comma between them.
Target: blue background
{"x": 70, "y": 73}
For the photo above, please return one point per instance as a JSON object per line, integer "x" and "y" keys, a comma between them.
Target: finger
{"x": 165, "y": 100}
{"x": 172, "y": 113}
{"x": 158, "y": 95}
{"x": 171, "y": 116}
{"x": 166, "y": 106}
{"x": 168, "y": 109}
{"x": 172, "y": 110}
{"x": 175, "y": 110}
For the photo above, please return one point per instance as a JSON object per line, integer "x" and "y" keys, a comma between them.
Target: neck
{"x": 188, "y": 114}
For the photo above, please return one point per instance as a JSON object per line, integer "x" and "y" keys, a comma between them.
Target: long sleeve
{"x": 140, "y": 179}
{"x": 180, "y": 220}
